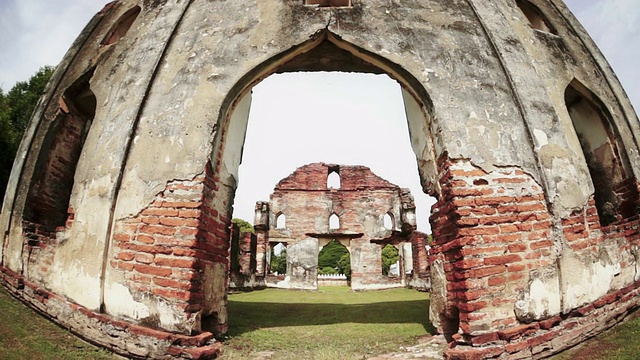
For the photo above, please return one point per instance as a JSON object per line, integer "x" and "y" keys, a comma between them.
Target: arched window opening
{"x": 603, "y": 152}
{"x": 388, "y": 221}
{"x": 334, "y": 222}
{"x": 390, "y": 261}
{"x": 328, "y": 3}
{"x": 333, "y": 180}
{"x": 334, "y": 259}
{"x": 48, "y": 200}
{"x": 535, "y": 16}
{"x": 281, "y": 221}
{"x": 122, "y": 26}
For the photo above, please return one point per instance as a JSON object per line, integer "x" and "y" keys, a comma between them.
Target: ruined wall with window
{"x": 350, "y": 204}
{"x": 116, "y": 219}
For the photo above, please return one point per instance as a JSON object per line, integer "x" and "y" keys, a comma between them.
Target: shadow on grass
{"x": 250, "y": 316}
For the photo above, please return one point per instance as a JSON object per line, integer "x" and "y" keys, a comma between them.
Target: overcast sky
{"x": 353, "y": 125}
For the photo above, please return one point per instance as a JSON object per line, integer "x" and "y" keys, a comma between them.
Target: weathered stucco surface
{"x": 536, "y": 221}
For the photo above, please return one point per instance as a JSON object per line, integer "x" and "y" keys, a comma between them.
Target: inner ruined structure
{"x": 116, "y": 220}
{"x": 320, "y": 203}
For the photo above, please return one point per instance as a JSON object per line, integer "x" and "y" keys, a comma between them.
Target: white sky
{"x": 352, "y": 121}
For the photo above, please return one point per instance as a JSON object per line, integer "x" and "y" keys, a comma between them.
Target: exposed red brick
{"x": 182, "y": 204}
{"x": 150, "y": 220}
{"x": 494, "y": 200}
{"x": 176, "y": 284}
{"x": 514, "y": 347}
{"x": 141, "y": 330}
{"x": 153, "y": 211}
{"x": 517, "y": 247}
{"x": 549, "y": 323}
{"x": 472, "y": 306}
{"x": 144, "y": 258}
{"x": 504, "y": 259}
{"x": 172, "y": 294}
{"x": 121, "y": 237}
{"x": 152, "y": 270}
{"x": 484, "y": 338}
{"x": 126, "y": 256}
{"x": 177, "y": 262}
{"x": 518, "y": 331}
{"x": 497, "y": 280}
{"x": 157, "y": 229}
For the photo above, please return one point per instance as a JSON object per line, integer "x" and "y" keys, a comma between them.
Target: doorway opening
{"x": 380, "y": 132}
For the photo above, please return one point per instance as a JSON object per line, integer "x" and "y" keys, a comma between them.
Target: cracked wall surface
{"x": 533, "y": 249}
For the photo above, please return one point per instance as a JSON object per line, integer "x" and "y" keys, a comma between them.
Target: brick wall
{"x": 158, "y": 250}
{"x": 421, "y": 268}
{"x": 491, "y": 231}
{"x": 47, "y": 212}
{"x": 242, "y": 256}
{"x": 166, "y": 251}
{"x": 49, "y": 195}
{"x": 361, "y": 202}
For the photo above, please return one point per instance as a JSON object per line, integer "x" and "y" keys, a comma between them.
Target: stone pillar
{"x": 261, "y": 227}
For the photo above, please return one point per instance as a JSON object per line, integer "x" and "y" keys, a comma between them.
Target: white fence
{"x": 332, "y": 277}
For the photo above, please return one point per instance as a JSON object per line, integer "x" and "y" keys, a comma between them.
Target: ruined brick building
{"x": 116, "y": 218}
{"x": 358, "y": 209}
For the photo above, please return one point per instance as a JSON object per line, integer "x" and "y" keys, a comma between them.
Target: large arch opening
{"x": 47, "y": 204}
{"x": 615, "y": 192}
{"x": 334, "y": 264}
{"x": 324, "y": 53}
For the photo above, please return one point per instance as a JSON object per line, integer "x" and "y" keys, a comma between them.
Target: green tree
{"x": 390, "y": 256}
{"x": 279, "y": 262}
{"x": 24, "y": 96}
{"x": 16, "y": 108}
{"x": 7, "y": 143}
{"x": 243, "y": 225}
{"x": 328, "y": 271}
{"x": 344, "y": 264}
{"x": 331, "y": 254}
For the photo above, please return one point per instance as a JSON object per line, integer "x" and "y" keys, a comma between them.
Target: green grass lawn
{"x": 333, "y": 323}
{"x": 24, "y": 334}
{"x": 328, "y": 324}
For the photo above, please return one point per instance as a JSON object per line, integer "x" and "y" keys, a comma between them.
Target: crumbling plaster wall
{"x": 490, "y": 89}
{"x": 556, "y": 60}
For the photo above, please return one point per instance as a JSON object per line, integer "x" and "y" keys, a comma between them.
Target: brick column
{"x": 490, "y": 230}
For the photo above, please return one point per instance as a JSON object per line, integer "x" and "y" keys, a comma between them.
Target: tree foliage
{"x": 243, "y": 225}
{"x": 330, "y": 255}
{"x": 328, "y": 271}
{"x": 390, "y": 256}
{"x": 344, "y": 264}
{"x": 16, "y": 108}
{"x": 279, "y": 262}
